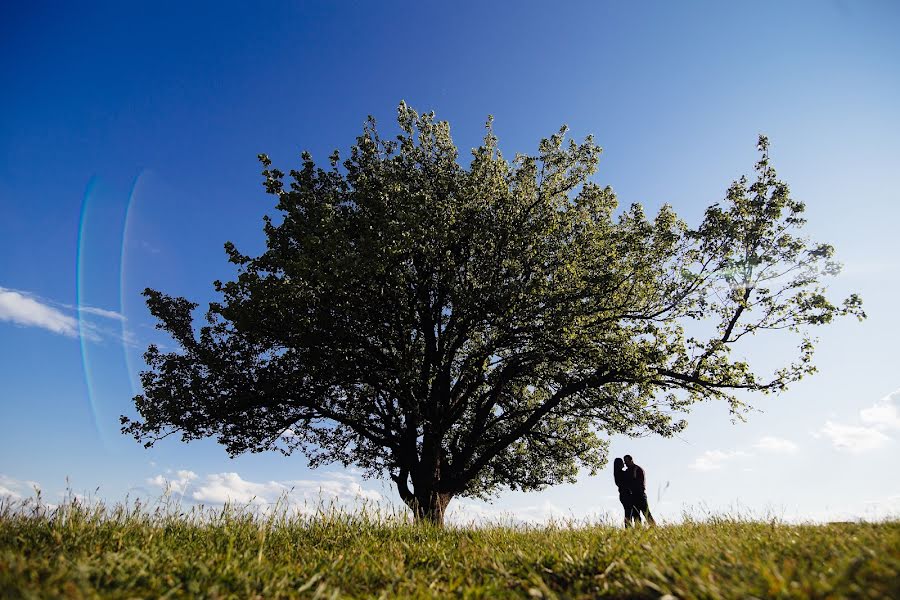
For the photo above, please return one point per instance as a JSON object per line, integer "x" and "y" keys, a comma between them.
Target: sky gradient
{"x": 128, "y": 143}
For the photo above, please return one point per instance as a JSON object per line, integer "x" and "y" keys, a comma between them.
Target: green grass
{"x": 81, "y": 551}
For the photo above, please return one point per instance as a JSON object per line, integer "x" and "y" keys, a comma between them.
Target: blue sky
{"x": 128, "y": 137}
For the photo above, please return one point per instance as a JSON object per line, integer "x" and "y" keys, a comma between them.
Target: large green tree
{"x": 462, "y": 329}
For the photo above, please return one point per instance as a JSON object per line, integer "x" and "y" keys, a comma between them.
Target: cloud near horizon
{"x": 177, "y": 484}
{"x": 229, "y": 487}
{"x": 464, "y": 512}
{"x": 16, "y": 489}
{"x": 341, "y": 490}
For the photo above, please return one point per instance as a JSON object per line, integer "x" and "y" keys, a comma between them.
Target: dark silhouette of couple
{"x": 632, "y": 491}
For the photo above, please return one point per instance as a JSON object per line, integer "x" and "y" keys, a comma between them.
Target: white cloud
{"x": 871, "y": 510}
{"x": 28, "y": 310}
{"x": 877, "y": 420}
{"x": 23, "y": 309}
{"x": 712, "y": 460}
{"x": 16, "y": 489}
{"x": 342, "y": 488}
{"x": 218, "y": 488}
{"x": 230, "y": 487}
{"x": 102, "y": 312}
{"x": 470, "y": 512}
{"x": 771, "y": 443}
{"x": 179, "y": 484}
{"x": 853, "y": 438}
{"x": 887, "y": 507}
{"x": 6, "y": 492}
{"x": 884, "y": 414}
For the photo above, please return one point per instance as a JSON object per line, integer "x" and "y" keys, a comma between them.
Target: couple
{"x": 632, "y": 493}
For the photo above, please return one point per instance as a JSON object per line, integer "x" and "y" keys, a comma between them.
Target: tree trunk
{"x": 426, "y": 505}
{"x": 431, "y": 507}
{"x": 427, "y": 500}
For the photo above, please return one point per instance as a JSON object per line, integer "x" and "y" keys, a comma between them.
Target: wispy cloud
{"x": 712, "y": 460}
{"x": 25, "y": 310}
{"x": 770, "y": 443}
{"x": 876, "y": 423}
{"x": 102, "y": 312}
{"x": 852, "y": 438}
{"x": 29, "y": 310}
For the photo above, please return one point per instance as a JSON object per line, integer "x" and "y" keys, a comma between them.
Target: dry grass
{"x": 87, "y": 551}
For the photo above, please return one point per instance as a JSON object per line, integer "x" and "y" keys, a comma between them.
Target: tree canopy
{"x": 462, "y": 329}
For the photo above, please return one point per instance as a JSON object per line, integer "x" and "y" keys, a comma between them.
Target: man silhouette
{"x": 638, "y": 490}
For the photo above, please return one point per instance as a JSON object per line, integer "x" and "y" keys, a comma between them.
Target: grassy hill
{"x": 77, "y": 551}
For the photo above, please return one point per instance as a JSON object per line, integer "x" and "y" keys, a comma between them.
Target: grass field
{"x": 80, "y": 551}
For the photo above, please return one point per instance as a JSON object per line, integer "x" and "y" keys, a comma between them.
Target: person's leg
{"x": 629, "y": 510}
{"x": 640, "y": 504}
{"x": 644, "y": 508}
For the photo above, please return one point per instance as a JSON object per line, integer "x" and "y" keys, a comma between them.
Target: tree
{"x": 466, "y": 329}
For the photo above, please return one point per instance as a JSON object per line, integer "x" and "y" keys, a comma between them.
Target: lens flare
{"x": 100, "y": 252}
{"x": 83, "y": 330}
{"x": 127, "y": 240}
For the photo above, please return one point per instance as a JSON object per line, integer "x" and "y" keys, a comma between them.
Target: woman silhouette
{"x": 621, "y": 478}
